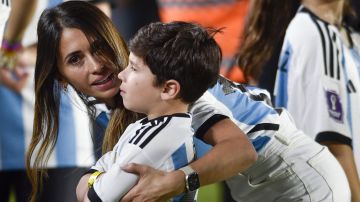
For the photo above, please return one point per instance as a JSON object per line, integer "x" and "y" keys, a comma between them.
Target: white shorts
{"x": 292, "y": 167}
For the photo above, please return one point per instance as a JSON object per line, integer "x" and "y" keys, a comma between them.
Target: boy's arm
{"x": 151, "y": 150}
{"x": 114, "y": 182}
{"x": 101, "y": 165}
{"x": 226, "y": 137}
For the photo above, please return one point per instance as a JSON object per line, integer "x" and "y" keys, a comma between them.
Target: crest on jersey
{"x": 334, "y": 106}
{"x": 227, "y": 86}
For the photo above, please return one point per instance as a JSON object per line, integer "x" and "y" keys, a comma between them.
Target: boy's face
{"x": 137, "y": 88}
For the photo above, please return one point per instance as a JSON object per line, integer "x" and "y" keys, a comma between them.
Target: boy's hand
{"x": 82, "y": 188}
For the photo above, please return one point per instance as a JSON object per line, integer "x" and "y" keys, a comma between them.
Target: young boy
{"x": 170, "y": 66}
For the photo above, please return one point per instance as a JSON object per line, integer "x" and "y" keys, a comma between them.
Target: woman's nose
{"x": 95, "y": 65}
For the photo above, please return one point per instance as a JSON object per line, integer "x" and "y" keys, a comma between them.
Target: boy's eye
{"x": 132, "y": 68}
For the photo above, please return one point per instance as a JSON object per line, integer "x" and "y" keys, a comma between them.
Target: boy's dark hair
{"x": 182, "y": 51}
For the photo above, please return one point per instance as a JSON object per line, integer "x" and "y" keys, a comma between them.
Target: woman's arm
{"x": 82, "y": 188}
{"x": 344, "y": 154}
{"x": 231, "y": 145}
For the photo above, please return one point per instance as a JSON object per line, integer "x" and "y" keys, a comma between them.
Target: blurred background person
{"x": 74, "y": 151}
{"x": 227, "y": 14}
{"x": 318, "y": 79}
{"x": 263, "y": 36}
{"x": 13, "y": 177}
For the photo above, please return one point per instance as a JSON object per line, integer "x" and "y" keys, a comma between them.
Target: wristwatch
{"x": 192, "y": 181}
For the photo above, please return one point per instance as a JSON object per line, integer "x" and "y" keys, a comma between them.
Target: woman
{"x": 89, "y": 63}
{"x": 318, "y": 79}
{"x": 46, "y": 121}
{"x": 259, "y": 53}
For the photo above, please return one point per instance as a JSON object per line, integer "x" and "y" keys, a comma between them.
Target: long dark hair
{"x": 351, "y": 15}
{"x": 95, "y": 25}
{"x": 264, "y": 30}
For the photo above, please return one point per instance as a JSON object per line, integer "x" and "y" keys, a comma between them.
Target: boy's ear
{"x": 171, "y": 90}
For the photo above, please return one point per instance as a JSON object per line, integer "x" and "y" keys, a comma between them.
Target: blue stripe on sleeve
{"x": 259, "y": 142}
{"x": 179, "y": 157}
{"x": 281, "y": 97}
{"x": 201, "y": 148}
{"x": 243, "y": 108}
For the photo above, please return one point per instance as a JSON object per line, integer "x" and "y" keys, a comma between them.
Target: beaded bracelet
{"x": 11, "y": 47}
{"x": 8, "y": 54}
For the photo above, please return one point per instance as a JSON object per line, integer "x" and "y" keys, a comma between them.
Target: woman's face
{"x": 80, "y": 66}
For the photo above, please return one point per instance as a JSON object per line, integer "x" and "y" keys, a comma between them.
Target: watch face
{"x": 193, "y": 182}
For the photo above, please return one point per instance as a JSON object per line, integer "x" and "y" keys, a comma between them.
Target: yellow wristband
{"x": 93, "y": 178}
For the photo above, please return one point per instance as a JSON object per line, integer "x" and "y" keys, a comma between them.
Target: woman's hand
{"x": 13, "y": 79}
{"x": 154, "y": 185}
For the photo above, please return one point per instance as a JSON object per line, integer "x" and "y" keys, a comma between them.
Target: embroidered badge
{"x": 334, "y": 106}
{"x": 227, "y": 86}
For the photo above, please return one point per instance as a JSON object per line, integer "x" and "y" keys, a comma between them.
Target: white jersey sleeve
{"x": 154, "y": 143}
{"x": 246, "y": 106}
{"x": 205, "y": 109}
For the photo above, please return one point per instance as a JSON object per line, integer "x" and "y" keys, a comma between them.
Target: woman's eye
{"x": 74, "y": 60}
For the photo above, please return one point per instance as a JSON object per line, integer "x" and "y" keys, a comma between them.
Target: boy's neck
{"x": 168, "y": 108}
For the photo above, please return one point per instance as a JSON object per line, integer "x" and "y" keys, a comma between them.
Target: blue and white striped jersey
{"x": 165, "y": 143}
{"x": 318, "y": 80}
{"x": 74, "y": 147}
{"x": 246, "y": 106}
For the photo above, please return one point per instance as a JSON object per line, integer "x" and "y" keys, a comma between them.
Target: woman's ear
{"x": 171, "y": 90}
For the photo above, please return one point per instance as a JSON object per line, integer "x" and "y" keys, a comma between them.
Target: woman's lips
{"x": 105, "y": 83}
{"x": 104, "y": 80}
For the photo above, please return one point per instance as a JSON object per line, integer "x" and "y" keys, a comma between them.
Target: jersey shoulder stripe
{"x": 149, "y": 130}
{"x": 333, "y": 136}
{"x": 153, "y": 134}
{"x": 246, "y": 107}
{"x": 330, "y": 48}
{"x": 265, "y": 126}
{"x": 140, "y": 133}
